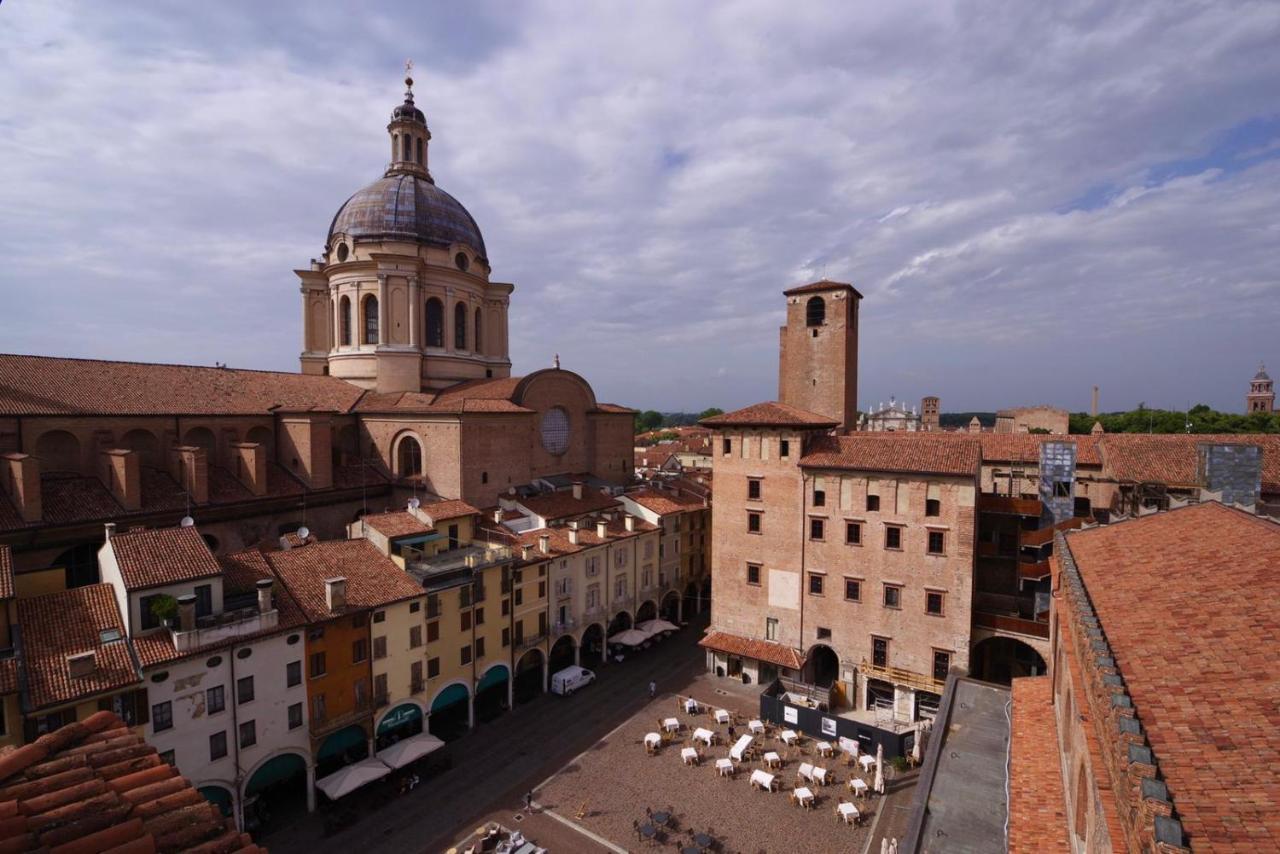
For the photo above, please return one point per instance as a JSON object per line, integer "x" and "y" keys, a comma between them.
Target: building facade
{"x": 1262, "y": 392}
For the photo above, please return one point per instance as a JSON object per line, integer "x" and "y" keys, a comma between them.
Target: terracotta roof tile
{"x": 6, "y": 572}
{"x": 560, "y": 544}
{"x": 396, "y": 523}
{"x": 820, "y": 286}
{"x": 373, "y": 579}
{"x": 664, "y": 503}
{"x": 54, "y": 796}
{"x": 783, "y": 656}
{"x": 66, "y": 623}
{"x": 151, "y": 558}
{"x": 1025, "y": 447}
{"x": 42, "y": 385}
{"x": 770, "y": 414}
{"x": 1173, "y": 458}
{"x": 891, "y": 453}
{"x": 1037, "y": 805}
{"x": 1209, "y": 711}
{"x": 453, "y": 508}
{"x": 562, "y": 505}
{"x": 615, "y": 409}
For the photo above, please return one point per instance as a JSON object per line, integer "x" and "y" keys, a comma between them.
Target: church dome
{"x": 404, "y": 206}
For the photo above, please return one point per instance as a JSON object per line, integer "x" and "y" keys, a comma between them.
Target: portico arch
{"x": 403, "y": 720}
{"x": 821, "y": 666}
{"x": 670, "y": 609}
{"x": 648, "y": 610}
{"x": 530, "y": 679}
{"x": 493, "y": 692}
{"x": 564, "y": 653}
{"x": 277, "y": 788}
{"x": 339, "y": 749}
{"x": 592, "y": 645}
{"x": 450, "y": 711}
{"x": 620, "y": 623}
{"x": 1001, "y": 659}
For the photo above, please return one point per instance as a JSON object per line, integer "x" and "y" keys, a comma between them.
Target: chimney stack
{"x": 602, "y": 530}
{"x": 577, "y": 490}
{"x": 1094, "y": 410}
{"x": 20, "y": 479}
{"x": 187, "y": 612}
{"x": 544, "y": 544}
{"x": 264, "y": 586}
{"x": 525, "y": 551}
{"x": 630, "y": 522}
{"x": 497, "y": 515}
{"x": 109, "y": 530}
{"x": 335, "y": 593}
{"x": 82, "y": 664}
{"x": 573, "y": 535}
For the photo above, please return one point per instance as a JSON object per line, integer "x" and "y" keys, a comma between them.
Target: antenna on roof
{"x": 303, "y": 533}
{"x": 414, "y": 503}
{"x": 187, "y": 522}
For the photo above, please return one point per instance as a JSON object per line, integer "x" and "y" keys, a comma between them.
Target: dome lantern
{"x": 409, "y": 134}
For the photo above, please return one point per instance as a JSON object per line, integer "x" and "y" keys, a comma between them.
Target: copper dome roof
{"x": 403, "y": 206}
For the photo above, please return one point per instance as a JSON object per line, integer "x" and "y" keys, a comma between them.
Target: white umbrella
{"x": 884, "y": 845}
{"x": 408, "y": 750}
{"x": 653, "y": 627}
{"x": 893, "y": 845}
{"x": 915, "y": 748}
{"x": 352, "y": 777}
{"x": 631, "y": 637}
{"x": 879, "y": 786}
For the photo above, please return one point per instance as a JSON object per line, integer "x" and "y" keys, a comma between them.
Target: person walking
{"x": 528, "y": 802}
{"x": 653, "y": 689}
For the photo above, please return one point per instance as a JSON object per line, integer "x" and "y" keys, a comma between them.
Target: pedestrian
{"x": 731, "y": 732}
{"x": 653, "y": 689}
{"x": 528, "y": 802}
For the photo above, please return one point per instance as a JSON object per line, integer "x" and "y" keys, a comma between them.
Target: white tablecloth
{"x": 858, "y": 786}
{"x": 688, "y": 754}
{"x": 743, "y": 743}
{"x": 866, "y": 760}
{"x": 762, "y": 778}
{"x": 724, "y": 766}
{"x": 652, "y": 738}
{"x": 756, "y": 727}
{"x": 803, "y": 794}
{"x": 671, "y": 724}
{"x": 848, "y": 812}
{"x": 772, "y": 758}
{"x": 820, "y": 776}
{"x": 703, "y": 735}
{"x": 789, "y": 736}
{"x": 824, "y": 748}
{"x": 722, "y": 716}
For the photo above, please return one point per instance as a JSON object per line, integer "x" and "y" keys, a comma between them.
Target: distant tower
{"x": 1262, "y": 392}
{"x": 818, "y": 362}
{"x": 1094, "y": 409}
{"x": 975, "y": 426}
{"x": 930, "y": 420}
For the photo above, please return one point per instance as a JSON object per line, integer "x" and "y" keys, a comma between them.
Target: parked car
{"x": 565, "y": 682}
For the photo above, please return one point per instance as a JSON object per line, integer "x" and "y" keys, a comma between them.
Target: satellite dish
{"x": 304, "y": 532}
{"x": 414, "y": 503}
{"x": 187, "y": 522}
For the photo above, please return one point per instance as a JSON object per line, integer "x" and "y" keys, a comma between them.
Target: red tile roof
{"x": 95, "y": 785}
{"x": 373, "y": 579}
{"x": 615, "y": 409}
{"x": 1037, "y": 805}
{"x": 562, "y": 505}
{"x": 769, "y": 414}
{"x": 241, "y": 571}
{"x": 664, "y": 503}
{"x": 67, "y": 623}
{"x": 397, "y": 523}
{"x": 558, "y": 538}
{"x": 42, "y": 385}
{"x": 153, "y": 558}
{"x": 9, "y": 676}
{"x": 1025, "y": 447}
{"x": 6, "y": 573}
{"x": 1197, "y": 657}
{"x": 820, "y": 286}
{"x": 1172, "y": 458}
{"x": 888, "y": 453}
{"x": 783, "y": 656}
{"x": 453, "y": 508}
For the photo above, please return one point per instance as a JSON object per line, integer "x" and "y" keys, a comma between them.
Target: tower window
{"x": 435, "y": 323}
{"x": 815, "y": 312}
{"x": 420, "y": 150}
{"x": 344, "y": 320}
{"x": 408, "y": 147}
{"x": 371, "y": 320}
{"x": 476, "y": 334}
{"x": 460, "y": 326}
{"x": 342, "y": 251}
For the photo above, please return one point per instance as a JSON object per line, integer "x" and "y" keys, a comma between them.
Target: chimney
{"x": 577, "y": 490}
{"x": 573, "y": 535}
{"x": 544, "y": 544}
{"x": 264, "y": 586}
{"x": 189, "y": 466}
{"x": 109, "y": 530}
{"x": 525, "y": 552}
{"x": 82, "y": 664}
{"x": 187, "y": 612}
{"x": 497, "y": 515}
{"x": 1094, "y": 410}
{"x": 249, "y": 465}
{"x": 118, "y": 470}
{"x": 20, "y": 480}
{"x": 630, "y": 522}
{"x": 602, "y": 530}
{"x": 335, "y": 593}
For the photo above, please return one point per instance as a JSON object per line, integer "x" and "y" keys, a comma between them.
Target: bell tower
{"x": 818, "y": 360}
{"x": 1262, "y": 392}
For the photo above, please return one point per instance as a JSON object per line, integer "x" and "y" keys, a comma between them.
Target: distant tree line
{"x": 651, "y": 419}
{"x": 1199, "y": 419}
{"x": 962, "y": 419}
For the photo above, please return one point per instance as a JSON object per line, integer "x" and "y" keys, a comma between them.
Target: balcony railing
{"x": 1013, "y": 625}
{"x": 417, "y": 686}
{"x": 990, "y": 503}
{"x": 467, "y": 557}
{"x": 901, "y": 676}
{"x": 565, "y": 627}
{"x": 592, "y": 613}
{"x": 622, "y": 603}
{"x": 528, "y": 642}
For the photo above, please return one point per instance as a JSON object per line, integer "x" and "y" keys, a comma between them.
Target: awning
{"x": 352, "y": 777}
{"x": 410, "y": 749}
{"x": 761, "y": 650}
{"x": 405, "y": 713}
{"x": 631, "y": 637}
{"x": 493, "y": 677}
{"x": 657, "y": 627}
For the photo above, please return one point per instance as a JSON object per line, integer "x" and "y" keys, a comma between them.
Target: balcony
{"x": 899, "y": 676}
{"x": 1029, "y": 571}
{"x": 223, "y": 627}
{"x": 1010, "y": 624}
{"x": 468, "y": 557}
{"x": 990, "y": 503}
{"x": 1041, "y": 536}
{"x": 417, "y": 686}
{"x": 565, "y": 627}
{"x": 529, "y": 642}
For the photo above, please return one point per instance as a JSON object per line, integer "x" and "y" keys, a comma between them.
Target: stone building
{"x": 930, "y": 413}
{"x": 1262, "y": 392}
{"x": 893, "y": 417}
{"x": 1033, "y": 419}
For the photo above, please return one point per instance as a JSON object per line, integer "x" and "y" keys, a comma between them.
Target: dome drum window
{"x": 461, "y": 261}
{"x": 342, "y": 252}
{"x": 555, "y": 431}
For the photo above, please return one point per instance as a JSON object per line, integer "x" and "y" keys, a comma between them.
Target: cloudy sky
{"x": 1032, "y": 197}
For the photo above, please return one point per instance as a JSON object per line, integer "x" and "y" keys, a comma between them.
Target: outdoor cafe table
{"x": 820, "y": 776}
{"x": 652, "y": 739}
{"x": 704, "y": 735}
{"x": 756, "y": 727}
{"x": 825, "y": 748}
{"x": 722, "y": 716}
{"x": 772, "y": 759}
{"x": 763, "y": 779}
{"x": 739, "y": 749}
{"x": 671, "y": 724}
{"x": 849, "y": 813}
{"x": 866, "y": 760}
{"x": 724, "y": 767}
{"x": 803, "y": 796}
{"x": 858, "y": 786}
{"x": 789, "y": 736}
{"x": 689, "y": 755}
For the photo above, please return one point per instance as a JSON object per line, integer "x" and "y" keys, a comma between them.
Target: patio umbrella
{"x": 884, "y": 845}
{"x": 347, "y": 780}
{"x": 655, "y": 627}
{"x": 409, "y": 750}
{"x": 879, "y": 785}
{"x": 915, "y": 748}
{"x": 893, "y": 845}
{"x": 630, "y": 637}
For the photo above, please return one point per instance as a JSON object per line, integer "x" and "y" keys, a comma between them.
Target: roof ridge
{"x": 169, "y": 365}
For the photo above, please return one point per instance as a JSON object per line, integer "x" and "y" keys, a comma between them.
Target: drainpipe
{"x": 235, "y": 741}
{"x": 804, "y": 540}
{"x": 471, "y": 723}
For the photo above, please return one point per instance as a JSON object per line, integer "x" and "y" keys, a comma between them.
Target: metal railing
{"x": 902, "y": 676}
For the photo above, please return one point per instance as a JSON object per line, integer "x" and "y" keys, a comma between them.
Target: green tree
{"x": 710, "y": 412}
{"x": 648, "y": 420}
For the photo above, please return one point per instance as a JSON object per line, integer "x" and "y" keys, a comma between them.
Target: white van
{"x": 565, "y": 682}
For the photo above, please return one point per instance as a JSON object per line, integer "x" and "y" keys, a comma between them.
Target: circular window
{"x": 555, "y": 430}
{"x": 213, "y": 662}
{"x": 244, "y": 653}
{"x": 462, "y": 261}
{"x": 291, "y": 640}
{"x": 342, "y": 251}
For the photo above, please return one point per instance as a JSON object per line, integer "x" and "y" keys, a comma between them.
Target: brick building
{"x": 1262, "y": 392}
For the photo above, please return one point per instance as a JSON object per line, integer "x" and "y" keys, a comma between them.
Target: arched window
{"x": 419, "y": 149}
{"x": 460, "y": 326}
{"x": 408, "y": 147}
{"x": 475, "y": 334}
{"x": 344, "y": 321}
{"x": 435, "y": 323}
{"x": 815, "y": 312}
{"x": 371, "y": 320}
{"x": 408, "y": 457}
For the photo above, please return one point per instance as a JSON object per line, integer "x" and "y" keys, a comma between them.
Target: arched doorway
{"x": 671, "y": 607}
{"x": 450, "y": 713}
{"x": 403, "y": 721}
{"x": 80, "y": 564}
{"x": 821, "y": 666}
{"x": 58, "y": 450}
{"x": 145, "y": 444}
{"x": 1003, "y": 659}
{"x": 220, "y": 797}
{"x": 691, "y": 599}
{"x": 340, "y": 749}
{"x": 528, "y": 681}
{"x": 592, "y": 643}
{"x": 275, "y": 793}
{"x": 492, "y": 692}
{"x": 620, "y": 623}
{"x": 647, "y": 611}
{"x": 561, "y": 654}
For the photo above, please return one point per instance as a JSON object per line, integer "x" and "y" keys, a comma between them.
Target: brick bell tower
{"x": 818, "y": 360}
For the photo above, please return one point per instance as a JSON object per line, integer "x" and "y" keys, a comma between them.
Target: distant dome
{"x": 1261, "y": 374}
{"x": 407, "y": 207}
